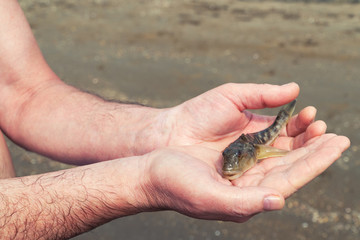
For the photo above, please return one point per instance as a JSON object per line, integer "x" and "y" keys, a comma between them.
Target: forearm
{"x": 64, "y": 123}
{"x": 42, "y": 114}
{"x": 62, "y": 204}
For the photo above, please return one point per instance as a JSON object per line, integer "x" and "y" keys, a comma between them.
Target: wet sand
{"x": 163, "y": 52}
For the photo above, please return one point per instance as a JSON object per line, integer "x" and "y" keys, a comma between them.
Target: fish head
{"x": 238, "y": 159}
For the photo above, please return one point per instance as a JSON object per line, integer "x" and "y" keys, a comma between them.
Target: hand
{"x": 217, "y": 117}
{"x": 188, "y": 179}
{"x": 6, "y": 165}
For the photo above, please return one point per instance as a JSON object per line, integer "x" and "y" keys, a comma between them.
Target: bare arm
{"x": 41, "y": 113}
{"x": 62, "y": 204}
{"x": 45, "y": 115}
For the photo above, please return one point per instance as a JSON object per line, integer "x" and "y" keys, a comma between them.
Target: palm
{"x": 208, "y": 123}
{"x": 196, "y": 187}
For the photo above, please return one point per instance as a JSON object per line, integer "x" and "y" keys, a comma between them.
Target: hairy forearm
{"x": 43, "y": 114}
{"x": 62, "y": 204}
{"x": 76, "y": 127}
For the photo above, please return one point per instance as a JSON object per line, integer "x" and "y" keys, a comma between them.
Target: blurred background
{"x": 161, "y": 53}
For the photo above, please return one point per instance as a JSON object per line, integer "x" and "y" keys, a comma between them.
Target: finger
{"x": 269, "y": 164}
{"x": 288, "y": 174}
{"x": 297, "y": 124}
{"x": 310, "y": 137}
{"x": 314, "y": 129}
{"x": 257, "y": 96}
{"x": 239, "y": 204}
{"x": 300, "y": 122}
{"x": 320, "y": 155}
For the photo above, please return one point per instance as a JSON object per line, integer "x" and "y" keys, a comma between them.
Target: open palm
{"x": 188, "y": 179}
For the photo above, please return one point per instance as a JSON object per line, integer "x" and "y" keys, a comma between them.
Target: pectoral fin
{"x": 265, "y": 151}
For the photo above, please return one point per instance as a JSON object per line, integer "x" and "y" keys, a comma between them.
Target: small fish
{"x": 244, "y": 152}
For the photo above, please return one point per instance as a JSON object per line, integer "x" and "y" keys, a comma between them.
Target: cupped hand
{"x": 217, "y": 117}
{"x": 188, "y": 179}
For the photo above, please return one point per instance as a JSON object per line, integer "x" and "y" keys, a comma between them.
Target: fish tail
{"x": 268, "y": 135}
{"x": 290, "y": 107}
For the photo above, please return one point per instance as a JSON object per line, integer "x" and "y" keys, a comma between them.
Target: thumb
{"x": 239, "y": 204}
{"x": 257, "y": 96}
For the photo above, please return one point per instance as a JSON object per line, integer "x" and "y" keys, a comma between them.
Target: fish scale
{"x": 245, "y": 151}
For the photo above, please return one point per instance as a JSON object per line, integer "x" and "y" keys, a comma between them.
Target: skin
{"x": 6, "y": 165}
{"x": 157, "y": 152}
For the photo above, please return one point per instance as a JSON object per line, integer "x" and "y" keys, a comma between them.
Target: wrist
{"x": 152, "y": 184}
{"x": 130, "y": 184}
{"x": 154, "y": 131}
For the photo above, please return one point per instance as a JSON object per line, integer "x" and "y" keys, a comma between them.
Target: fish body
{"x": 245, "y": 151}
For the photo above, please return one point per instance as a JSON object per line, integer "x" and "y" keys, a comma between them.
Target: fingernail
{"x": 287, "y": 84}
{"x": 273, "y": 202}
